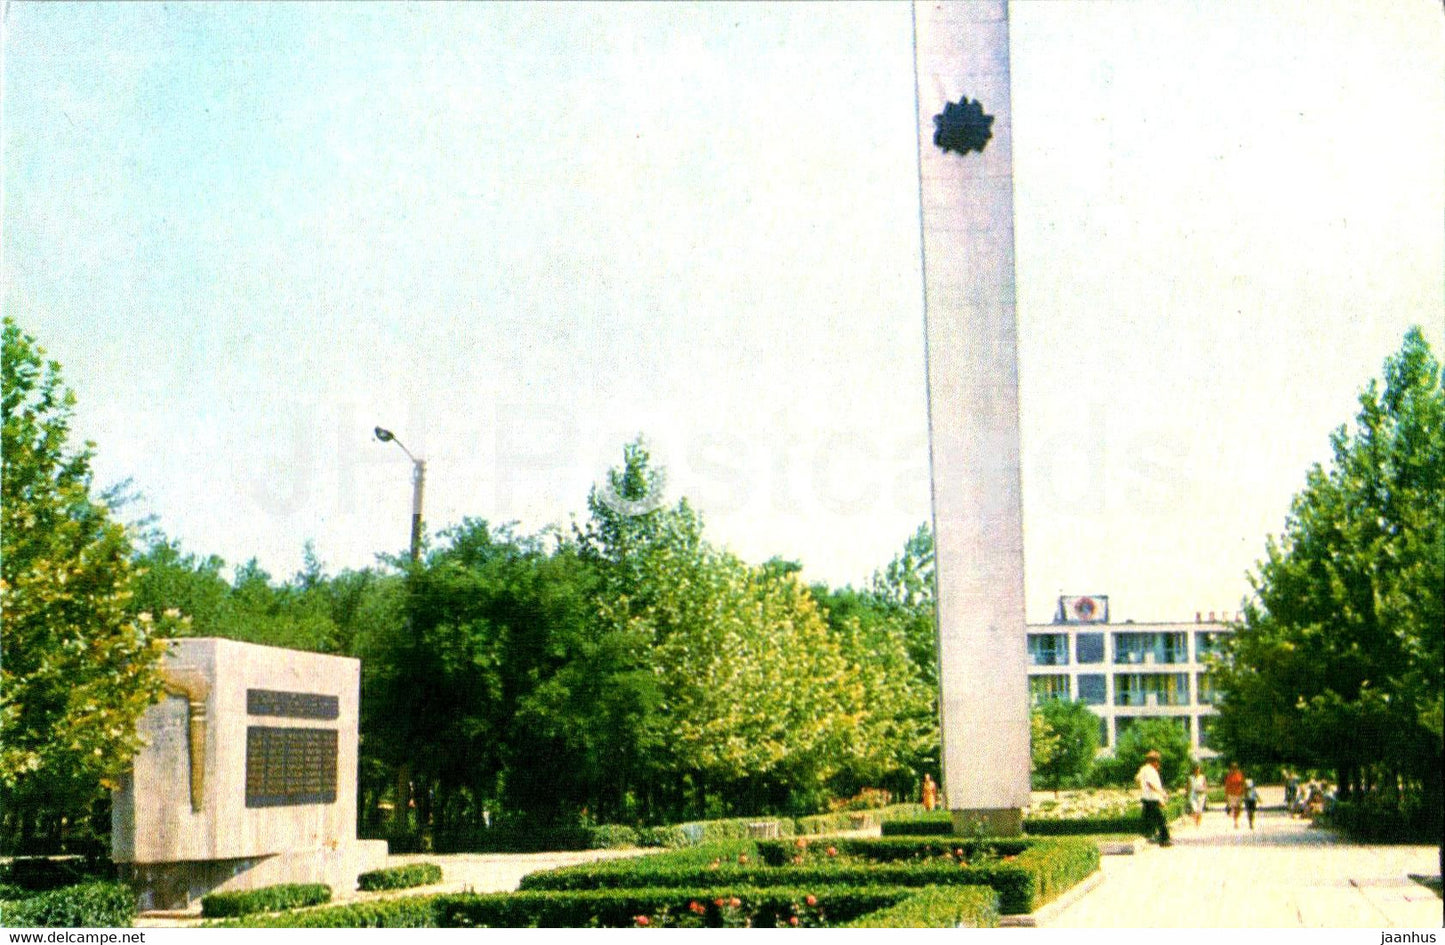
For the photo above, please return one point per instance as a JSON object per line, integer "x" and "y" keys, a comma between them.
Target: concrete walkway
{"x": 493, "y": 872}
{"x": 1286, "y": 873}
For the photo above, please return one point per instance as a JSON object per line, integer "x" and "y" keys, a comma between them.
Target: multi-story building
{"x": 1126, "y": 672}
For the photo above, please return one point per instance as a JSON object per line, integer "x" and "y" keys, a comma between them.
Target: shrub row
{"x": 854, "y": 819}
{"x": 505, "y": 838}
{"x": 407, "y": 912}
{"x": 519, "y": 838}
{"x": 613, "y": 908}
{"x": 938, "y": 823}
{"x": 888, "y": 849}
{"x": 88, "y": 905}
{"x": 1026, "y": 874}
{"x": 937, "y": 907}
{"x": 400, "y": 877}
{"x": 265, "y": 899}
{"x": 43, "y": 873}
{"x": 1132, "y": 822}
{"x": 1377, "y": 822}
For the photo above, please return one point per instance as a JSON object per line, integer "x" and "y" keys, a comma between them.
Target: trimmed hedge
{"x": 44, "y": 873}
{"x": 407, "y": 912}
{"x": 504, "y": 838}
{"x": 606, "y": 908}
{"x": 692, "y": 833}
{"x": 890, "y": 849}
{"x": 940, "y": 823}
{"x": 266, "y": 899}
{"x": 1026, "y": 873}
{"x": 521, "y": 838}
{"x": 400, "y": 877}
{"x": 848, "y": 819}
{"x": 937, "y": 907}
{"x": 1132, "y": 822}
{"x": 1376, "y": 822}
{"x": 93, "y": 905}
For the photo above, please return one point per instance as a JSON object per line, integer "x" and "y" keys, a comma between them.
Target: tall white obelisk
{"x": 965, "y": 158}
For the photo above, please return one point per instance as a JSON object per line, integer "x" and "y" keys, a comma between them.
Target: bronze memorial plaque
{"x": 290, "y": 766}
{"x": 292, "y": 705}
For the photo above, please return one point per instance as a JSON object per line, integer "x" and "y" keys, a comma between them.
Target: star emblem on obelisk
{"x": 962, "y": 127}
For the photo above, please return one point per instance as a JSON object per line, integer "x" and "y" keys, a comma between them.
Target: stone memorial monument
{"x": 965, "y": 158}
{"x": 248, "y": 777}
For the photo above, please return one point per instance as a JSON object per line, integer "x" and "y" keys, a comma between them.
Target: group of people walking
{"x": 1240, "y": 797}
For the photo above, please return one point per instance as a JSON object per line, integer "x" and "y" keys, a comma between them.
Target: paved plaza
{"x": 1284, "y": 874}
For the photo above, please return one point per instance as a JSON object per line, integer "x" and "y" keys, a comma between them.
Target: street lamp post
{"x": 418, "y": 483}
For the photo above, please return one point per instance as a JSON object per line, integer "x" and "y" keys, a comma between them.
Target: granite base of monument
{"x": 1004, "y": 822}
{"x": 247, "y": 779}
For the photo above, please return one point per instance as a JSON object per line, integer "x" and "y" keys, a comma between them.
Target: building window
{"x": 1045, "y": 688}
{"x": 1148, "y": 648}
{"x": 1089, "y": 648}
{"x": 1204, "y": 686}
{"x": 1048, "y": 649}
{"x": 1206, "y": 643}
{"x": 1092, "y": 688}
{"x": 1151, "y": 689}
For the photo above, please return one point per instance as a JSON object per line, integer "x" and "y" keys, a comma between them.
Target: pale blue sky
{"x": 519, "y": 235}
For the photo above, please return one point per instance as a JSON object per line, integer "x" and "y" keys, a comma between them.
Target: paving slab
{"x": 1285, "y": 873}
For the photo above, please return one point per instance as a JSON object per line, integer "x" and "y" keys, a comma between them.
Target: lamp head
{"x": 385, "y": 436}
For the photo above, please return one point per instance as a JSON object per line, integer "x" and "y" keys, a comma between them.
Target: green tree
{"x": 76, "y": 669}
{"x": 754, "y": 703}
{"x": 252, "y": 608}
{"x": 897, "y": 737}
{"x": 1339, "y": 662}
{"x": 906, "y": 588}
{"x": 1043, "y": 741}
{"x": 1074, "y": 731}
{"x": 1153, "y": 734}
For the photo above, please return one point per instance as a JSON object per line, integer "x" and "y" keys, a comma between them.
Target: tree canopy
{"x": 627, "y": 670}
{"x": 1339, "y": 662}
{"x": 76, "y": 667}
{"x": 1065, "y": 740}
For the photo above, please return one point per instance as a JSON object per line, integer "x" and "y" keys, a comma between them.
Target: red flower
{"x": 735, "y": 902}
{"x": 793, "y": 921}
{"x": 801, "y": 843}
{"x": 718, "y": 902}
{"x": 832, "y": 851}
{"x": 641, "y": 920}
{"x": 742, "y": 857}
{"x": 811, "y": 900}
{"x": 697, "y": 907}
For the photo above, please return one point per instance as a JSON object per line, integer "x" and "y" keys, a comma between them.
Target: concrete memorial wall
{"x": 248, "y": 777}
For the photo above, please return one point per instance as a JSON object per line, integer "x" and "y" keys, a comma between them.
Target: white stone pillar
{"x": 961, "y": 57}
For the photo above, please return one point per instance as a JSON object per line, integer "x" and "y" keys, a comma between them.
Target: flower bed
{"x": 1025, "y": 873}
{"x": 937, "y": 907}
{"x": 1104, "y": 817}
{"x": 705, "y": 906}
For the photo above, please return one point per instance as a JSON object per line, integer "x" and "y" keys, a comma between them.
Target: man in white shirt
{"x": 1153, "y": 794}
